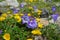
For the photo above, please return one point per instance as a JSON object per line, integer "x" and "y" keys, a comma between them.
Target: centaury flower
{"x": 6, "y": 36}
{"x": 36, "y": 32}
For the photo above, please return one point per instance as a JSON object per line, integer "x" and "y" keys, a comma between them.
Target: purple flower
{"x": 21, "y": 5}
{"x": 25, "y": 19}
{"x": 32, "y": 24}
{"x": 15, "y": 10}
{"x": 0, "y": 31}
{"x": 53, "y": 8}
{"x": 34, "y": 7}
{"x": 55, "y": 16}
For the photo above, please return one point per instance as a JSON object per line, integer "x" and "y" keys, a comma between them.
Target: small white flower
{"x": 51, "y": 21}
{"x": 57, "y": 4}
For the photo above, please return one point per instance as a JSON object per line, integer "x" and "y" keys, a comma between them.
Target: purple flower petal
{"x": 15, "y": 10}
{"x": 34, "y": 7}
{"x": 25, "y": 19}
{"x": 0, "y": 31}
{"x": 53, "y": 8}
{"x": 21, "y": 5}
{"x": 32, "y": 24}
{"x": 55, "y": 16}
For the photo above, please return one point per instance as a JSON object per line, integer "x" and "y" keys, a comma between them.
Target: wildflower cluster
{"x": 29, "y": 20}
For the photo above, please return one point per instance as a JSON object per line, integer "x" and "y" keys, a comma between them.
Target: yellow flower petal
{"x": 29, "y": 39}
{"x": 4, "y": 15}
{"x": 39, "y": 11}
{"x": 37, "y": 19}
{"x": 29, "y": 14}
{"x": 31, "y": 0}
{"x": 16, "y": 14}
{"x": 6, "y": 36}
{"x": 2, "y": 18}
{"x": 21, "y": 14}
{"x": 40, "y": 25}
{"x": 30, "y": 8}
{"x": 18, "y": 18}
{"x": 8, "y": 12}
{"x": 11, "y": 16}
{"x": 36, "y": 32}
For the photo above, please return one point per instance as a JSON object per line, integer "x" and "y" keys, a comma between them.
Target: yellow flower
{"x": 4, "y": 15}
{"x": 6, "y": 36}
{"x": 8, "y": 12}
{"x": 30, "y": 8}
{"x": 32, "y": 11}
{"x": 18, "y": 18}
{"x": 11, "y": 16}
{"x": 36, "y": 32}
{"x": 37, "y": 19}
{"x": 2, "y": 18}
{"x": 39, "y": 11}
{"x": 31, "y": 0}
{"x": 21, "y": 14}
{"x": 30, "y": 39}
{"x": 40, "y": 25}
{"x": 16, "y": 14}
{"x": 29, "y": 14}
